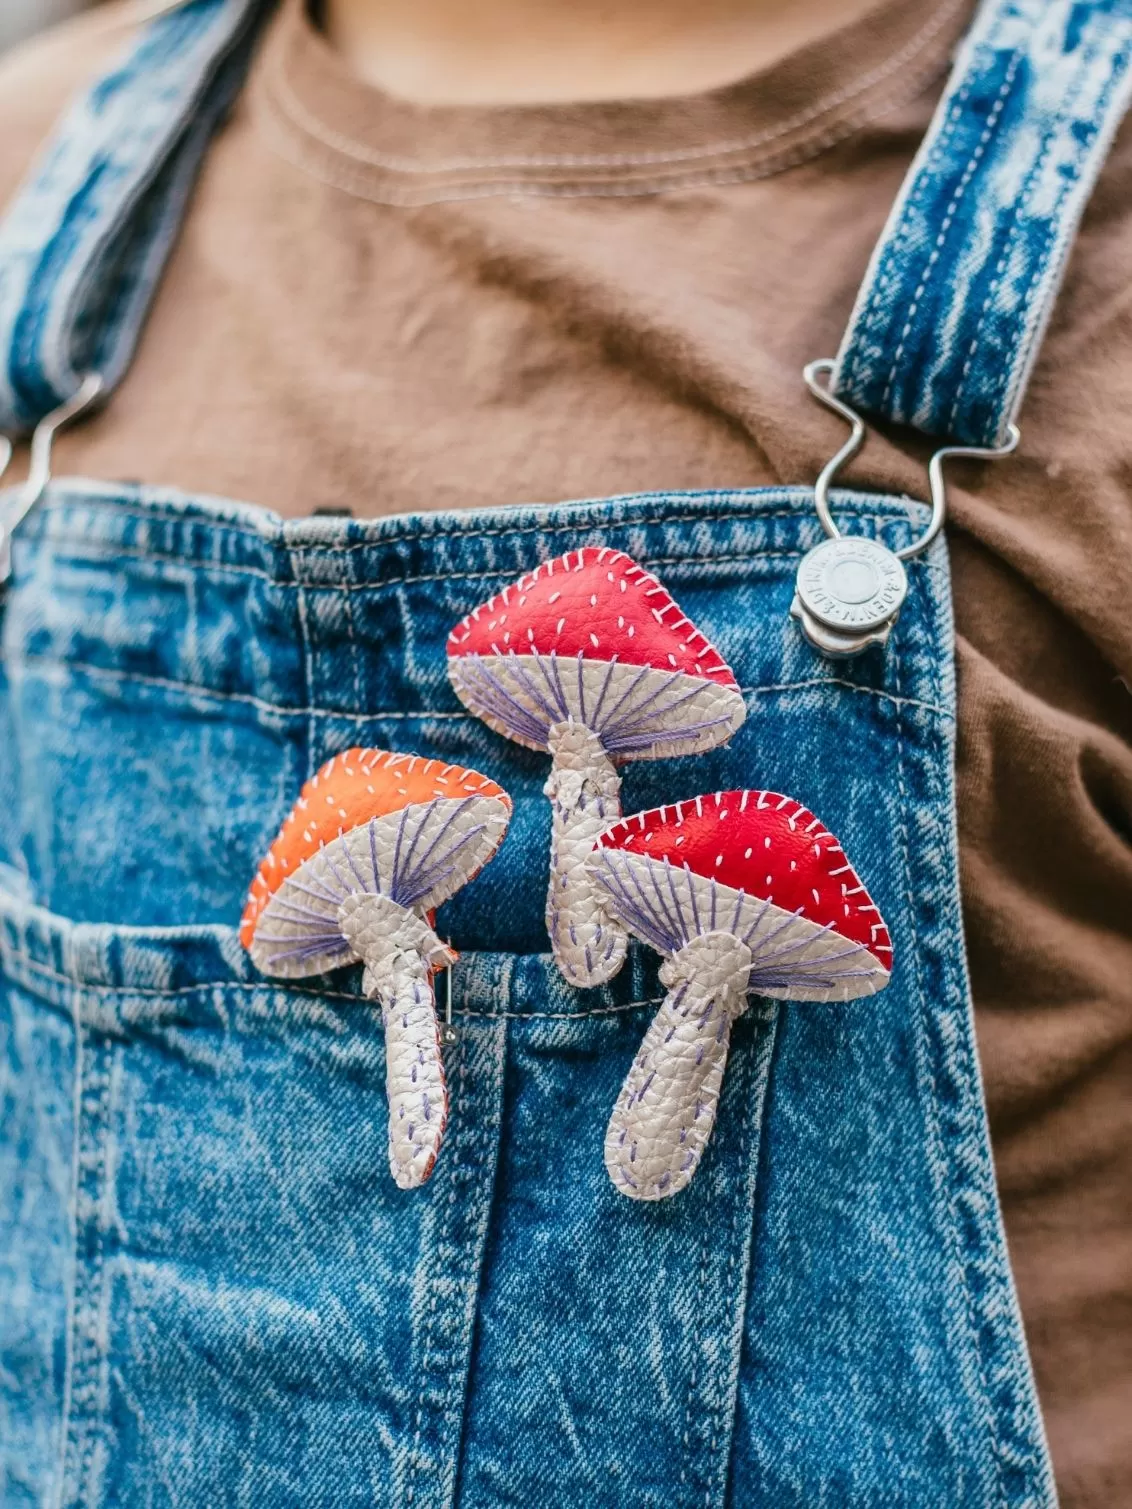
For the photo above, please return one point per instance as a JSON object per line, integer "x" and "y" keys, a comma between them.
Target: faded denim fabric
{"x": 211, "y": 1292}
{"x": 955, "y": 303}
{"x": 210, "y": 1289}
{"x": 85, "y": 241}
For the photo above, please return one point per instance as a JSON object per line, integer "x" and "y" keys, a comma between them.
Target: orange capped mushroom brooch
{"x": 376, "y": 842}
{"x": 589, "y": 659}
{"x": 743, "y": 892}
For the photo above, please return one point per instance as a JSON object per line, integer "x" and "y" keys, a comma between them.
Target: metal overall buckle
{"x": 39, "y": 472}
{"x": 849, "y": 589}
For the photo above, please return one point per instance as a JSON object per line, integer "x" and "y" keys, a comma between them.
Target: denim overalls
{"x": 211, "y": 1292}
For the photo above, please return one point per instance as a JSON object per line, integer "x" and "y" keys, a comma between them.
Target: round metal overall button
{"x": 852, "y": 584}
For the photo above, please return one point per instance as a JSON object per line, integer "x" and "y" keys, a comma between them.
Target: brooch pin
{"x": 589, "y": 659}
{"x": 376, "y": 842}
{"x": 742, "y": 892}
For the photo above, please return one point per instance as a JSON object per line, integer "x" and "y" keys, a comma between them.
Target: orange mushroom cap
{"x": 346, "y": 793}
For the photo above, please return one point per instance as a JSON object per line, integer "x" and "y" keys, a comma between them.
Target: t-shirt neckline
{"x": 376, "y": 145}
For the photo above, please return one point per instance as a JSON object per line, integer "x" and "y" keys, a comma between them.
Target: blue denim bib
{"x": 210, "y": 1290}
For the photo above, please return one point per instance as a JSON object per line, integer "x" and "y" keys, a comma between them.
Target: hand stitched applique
{"x": 589, "y": 659}
{"x": 375, "y": 842}
{"x": 742, "y": 892}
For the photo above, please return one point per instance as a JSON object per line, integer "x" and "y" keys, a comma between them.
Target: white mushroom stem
{"x": 585, "y": 793}
{"x": 400, "y": 952}
{"x": 666, "y": 1110}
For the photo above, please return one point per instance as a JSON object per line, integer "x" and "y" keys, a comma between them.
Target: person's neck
{"x": 519, "y": 52}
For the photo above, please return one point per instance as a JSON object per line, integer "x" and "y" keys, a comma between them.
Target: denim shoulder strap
{"x": 960, "y": 287}
{"x": 84, "y": 243}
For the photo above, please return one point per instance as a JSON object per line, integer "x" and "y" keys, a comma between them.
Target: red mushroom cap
{"x": 764, "y": 866}
{"x": 595, "y": 602}
{"x": 592, "y": 639}
{"x": 767, "y": 845}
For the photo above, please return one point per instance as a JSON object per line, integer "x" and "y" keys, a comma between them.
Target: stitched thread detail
{"x": 893, "y": 239}
{"x": 115, "y": 551}
{"x": 191, "y": 689}
{"x": 754, "y": 1088}
{"x": 931, "y": 1102}
{"x": 349, "y": 182}
{"x": 59, "y": 1492}
{"x": 91, "y": 1133}
{"x": 439, "y": 1254}
{"x": 59, "y": 498}
{"x": 700, "y": 1290}
{"x": 33, "y": 967}
{"x": 1069, "y": 184}
{"x": 961, "y": 188}
{"x": 1119, "y": 81}
{"x": 293, "y": 110}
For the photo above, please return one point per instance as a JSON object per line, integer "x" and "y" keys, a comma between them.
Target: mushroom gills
{"x": 374, "y": 844}
{"x": 401, "y": 953}
{"x": 589, "y": 658}
{"x": 741, "y": 892}
{"x": 665, "y": 1113}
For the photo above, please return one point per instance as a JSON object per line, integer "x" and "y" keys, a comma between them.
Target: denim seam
{"x": 347, "y": 589}
{"x": 859, "y": 502}
{"x": 478, "y": 1216}
{"x": 308, "y": 675}
{"x": 192, "y": 689}
{"x": 697, "y": 1347}
{"x": 1068, "y": 184}
{"x": 961, "y": 188}
{"x": 1064, "y": 237}
{"x": 60, "y": 499}
{"x": 352, "y": 639}
{"x": 743, "y": 1209}
{"x": 893, "y": 244}
{"x": 89, "y": 1265}
{"x": 442, "y": 1242}
{"x": 32, "y": 967}
{"x": 299, "y": 583}
{"x": 930, "y": 1102}
{"x": 64, "y": 1452}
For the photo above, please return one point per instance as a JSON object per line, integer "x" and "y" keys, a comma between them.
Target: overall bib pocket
{"x": 223, "y": 1294}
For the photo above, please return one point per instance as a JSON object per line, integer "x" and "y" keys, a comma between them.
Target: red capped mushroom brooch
{"x": 376, "y": 842}
{"x": 742, "y": 892}
{"x": 589, "y": 659}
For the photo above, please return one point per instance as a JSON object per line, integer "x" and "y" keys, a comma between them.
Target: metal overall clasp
{"x": 39, "y": 471}
{"x": 850, "y": 589}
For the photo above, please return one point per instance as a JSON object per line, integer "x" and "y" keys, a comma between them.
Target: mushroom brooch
{"x": 742, "y": 891}
{"x": 376, "y": 842}
{"x": 589, "y": 659}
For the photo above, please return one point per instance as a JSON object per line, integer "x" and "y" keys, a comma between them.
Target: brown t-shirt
{"x": 396, "y": 308}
